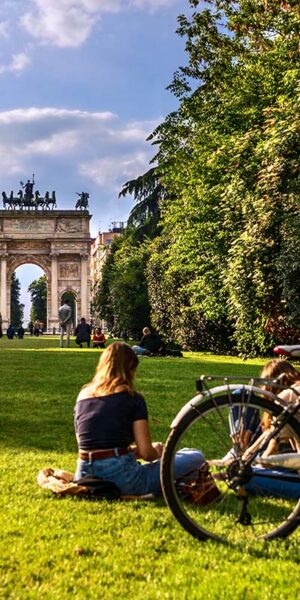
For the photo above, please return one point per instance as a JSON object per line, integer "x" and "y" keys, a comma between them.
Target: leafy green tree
{"x": 38, "y": 292}
{"x": 17, "y": 308}
{"x": 102, "y": 301}
{"x": 229, "y": 158}
{"x": 148, "y": 193}
{"x": 122, "y": 296}
{"x": 129, "y": 293}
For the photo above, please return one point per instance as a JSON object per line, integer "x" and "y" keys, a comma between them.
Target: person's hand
{"x": 135, "y": 451}
{"x": 159, "y": 447}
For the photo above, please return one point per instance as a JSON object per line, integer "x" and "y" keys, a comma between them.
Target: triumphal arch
{"x": 58, "y": 241}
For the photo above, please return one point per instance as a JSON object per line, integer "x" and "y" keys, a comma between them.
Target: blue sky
{"x": 82, "y": 86}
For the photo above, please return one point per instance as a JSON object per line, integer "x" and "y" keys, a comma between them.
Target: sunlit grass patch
{"x": 62, "y": 548}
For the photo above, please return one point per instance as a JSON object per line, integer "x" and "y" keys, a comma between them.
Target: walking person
{"x": 20, "y": 332}
{"x": 65, "y": 320}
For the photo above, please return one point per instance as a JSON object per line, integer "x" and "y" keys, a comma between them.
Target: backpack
{"x": 99, "y": 488}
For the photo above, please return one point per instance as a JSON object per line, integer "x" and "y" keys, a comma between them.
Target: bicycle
{"x": 216, "y": 504}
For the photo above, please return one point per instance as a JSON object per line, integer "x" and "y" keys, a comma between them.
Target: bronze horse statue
{"x": 50, "y": 201}
{"x": 83, "y": 201}
{"x": 22, "y": 201}
{"x": 11, "y": 201}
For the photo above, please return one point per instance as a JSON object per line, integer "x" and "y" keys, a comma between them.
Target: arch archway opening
{"x": 30, "y": 275}
{"x": 71, "y": 297}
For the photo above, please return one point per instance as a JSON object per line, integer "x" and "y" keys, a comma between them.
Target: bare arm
{"x": 145, "y": 448}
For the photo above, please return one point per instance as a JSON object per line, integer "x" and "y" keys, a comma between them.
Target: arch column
{"x": 84, "y": 290}
{"x": 3, "y": 290}
{"x": 53, "y": 293}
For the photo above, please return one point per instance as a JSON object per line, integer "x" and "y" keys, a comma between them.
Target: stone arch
{"x": 58, "y": 242}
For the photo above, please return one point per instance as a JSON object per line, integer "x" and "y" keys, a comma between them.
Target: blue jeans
{"x": 139, "y": 350}
{"x": 279, "y": 483}
{"x": 135, "y": 478}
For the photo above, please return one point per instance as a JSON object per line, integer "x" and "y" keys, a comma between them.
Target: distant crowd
{"x": 151, "y": 344}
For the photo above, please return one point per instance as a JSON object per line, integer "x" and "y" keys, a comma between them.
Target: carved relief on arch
{"x": 29, "y": 246}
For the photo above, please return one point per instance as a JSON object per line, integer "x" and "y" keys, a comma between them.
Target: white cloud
{"x": 68, "y": 23}
{"x": 96, "y": 146}
{"x": 29, "y": 115}
{"x": 18, "y": 63}
{"x": 4, "y": 27}
{"x": 114, "y": 171}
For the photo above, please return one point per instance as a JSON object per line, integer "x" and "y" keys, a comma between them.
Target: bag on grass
{"x": 201, "y": 489}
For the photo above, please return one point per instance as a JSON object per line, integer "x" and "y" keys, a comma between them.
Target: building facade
{"x": 100, "y": 250}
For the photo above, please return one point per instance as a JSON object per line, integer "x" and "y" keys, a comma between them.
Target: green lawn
{"x": 128, "y": 549}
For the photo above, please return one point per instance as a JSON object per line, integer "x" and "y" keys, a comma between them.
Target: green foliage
{"x": 148, "y": 193}
{"x": 128, "y": 289}
{"x": 17, "y": 308}
{"x": 227, "y": 259}
{"x": 102, "y": 305}
{"x": 122, "y": 297}
{"x": 38, "y": 292}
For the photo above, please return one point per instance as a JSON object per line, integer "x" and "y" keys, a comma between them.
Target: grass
{"x": 61, "y": 548}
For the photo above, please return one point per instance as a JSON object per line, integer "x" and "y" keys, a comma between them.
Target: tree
{"x": 38, "y": 292}
{"x": 148, "y": 193}
{"x": 229, "y": 158}
{"x": 122, "y": 296}
{"x": 17, "y": 309}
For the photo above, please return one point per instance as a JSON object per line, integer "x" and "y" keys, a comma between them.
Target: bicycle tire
{"x": 196, "y": 520}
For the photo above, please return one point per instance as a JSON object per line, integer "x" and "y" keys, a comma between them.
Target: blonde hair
{"x": 146, "y": 330}
{"x": 115, "y": 371}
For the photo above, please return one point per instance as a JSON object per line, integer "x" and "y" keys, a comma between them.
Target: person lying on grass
{"x": 288, "y": 376}
{"x": 276, "y": 482}
{"x": 111, "y": 416}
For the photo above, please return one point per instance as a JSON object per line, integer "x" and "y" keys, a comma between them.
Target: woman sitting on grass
{"x": 109, "y": 417}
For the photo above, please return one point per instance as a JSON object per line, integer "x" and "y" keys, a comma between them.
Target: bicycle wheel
{"x": 217, "y": 425}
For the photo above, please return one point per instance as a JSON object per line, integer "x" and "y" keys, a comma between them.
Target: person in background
{"x": 112, "y": 430}
{"x": 288, "y": 376}
{"x": 151, "y": 343}
{"x": 10, "y": 332}
{"x": 99, "y": 338}
{"x": 30, "y": 327}
{"x": 20, "y": 332}
{"x": 65, "y": 320}
{"x": 83, "y": 333}
{"x": 36, "y": 329}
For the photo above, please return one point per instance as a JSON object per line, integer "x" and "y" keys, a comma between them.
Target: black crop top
{"x": 107, "y": 422}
